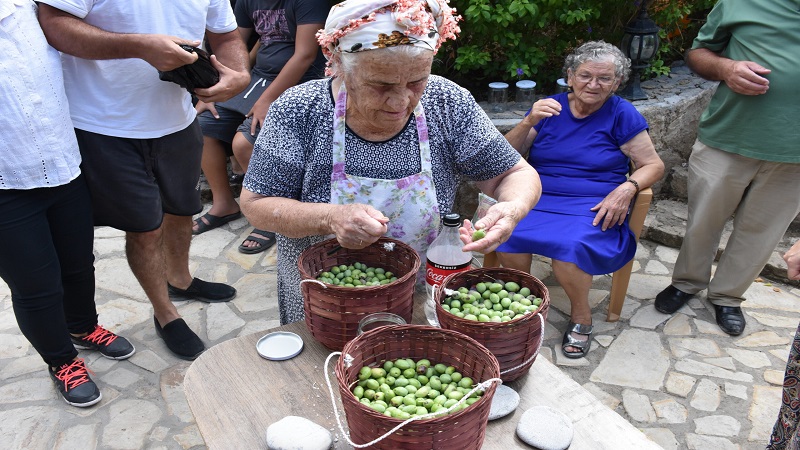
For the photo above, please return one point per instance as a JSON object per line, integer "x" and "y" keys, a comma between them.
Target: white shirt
{"x": 124, "y": 97}
{"x": 37, "y": 142}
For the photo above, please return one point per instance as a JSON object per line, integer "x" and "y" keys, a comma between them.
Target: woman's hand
{"x": 357, "y": 225}
{"x": 792, "y": 258}
{"x": 542, "y": 109}
{"x": 614, "y": 208}
{"x": 498, "y": 223}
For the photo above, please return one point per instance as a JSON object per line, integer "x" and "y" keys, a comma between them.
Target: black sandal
{"x": 582, "y": 345}
{"x": 263, "y": 243}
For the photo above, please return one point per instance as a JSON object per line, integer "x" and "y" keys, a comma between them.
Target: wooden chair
{"x": 622, "y": 277}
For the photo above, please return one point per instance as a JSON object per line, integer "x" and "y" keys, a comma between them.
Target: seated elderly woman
{"x": 581, "y": 144}
{"x": 379, "y": 148}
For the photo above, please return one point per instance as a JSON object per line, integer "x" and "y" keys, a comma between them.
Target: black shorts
{"x": 133, "y": 182}
{"x": 229, "y": 123}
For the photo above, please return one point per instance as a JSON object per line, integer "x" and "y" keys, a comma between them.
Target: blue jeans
{"x": 46, "y": 239}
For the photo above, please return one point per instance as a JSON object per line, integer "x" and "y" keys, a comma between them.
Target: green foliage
{"x": 506, "y": 40}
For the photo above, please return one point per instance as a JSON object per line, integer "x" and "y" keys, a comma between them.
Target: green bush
{"x": 507, "y": 40}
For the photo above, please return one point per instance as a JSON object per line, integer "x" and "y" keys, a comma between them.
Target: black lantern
{"x": 640, "y": 44}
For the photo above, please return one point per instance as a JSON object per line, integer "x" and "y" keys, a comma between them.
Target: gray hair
{"x": 596, "y": 51}
{"x": 347, "y": 62}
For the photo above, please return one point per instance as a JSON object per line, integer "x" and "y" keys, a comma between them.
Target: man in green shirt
{"x": 747, "y": 155}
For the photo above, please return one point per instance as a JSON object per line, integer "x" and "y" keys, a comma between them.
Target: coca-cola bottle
{"x": 443, "y": 258}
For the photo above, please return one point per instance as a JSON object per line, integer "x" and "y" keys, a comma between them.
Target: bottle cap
{"x": 561, "y": 82}
{"x": 498, "y": 85}
{"x": 451, "y": 220}
{"x": 526, "y": 84}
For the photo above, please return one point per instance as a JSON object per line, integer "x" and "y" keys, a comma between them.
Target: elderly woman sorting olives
{"x": 581, "y": 143}
{"x": 379, "y": 148}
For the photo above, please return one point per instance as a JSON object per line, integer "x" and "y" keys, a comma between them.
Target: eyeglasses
{"x": 587, "y": 78}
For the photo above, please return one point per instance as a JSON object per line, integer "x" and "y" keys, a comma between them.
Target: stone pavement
{"x": 679, "y": 379}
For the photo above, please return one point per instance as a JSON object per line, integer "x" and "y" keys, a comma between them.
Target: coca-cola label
{"x": 436, "y": 273}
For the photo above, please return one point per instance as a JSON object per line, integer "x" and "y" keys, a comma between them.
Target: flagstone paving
{"x": 678, "y": 378}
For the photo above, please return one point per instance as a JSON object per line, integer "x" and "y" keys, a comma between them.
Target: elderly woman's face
{"x": 593, "y": 82}
{"x": 384, "y": 88}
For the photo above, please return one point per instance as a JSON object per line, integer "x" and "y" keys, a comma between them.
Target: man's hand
{"x": 230, "y": 83}
{"x": 792, "y": 258}
{"x": 203, "y": 106}
{"x": 745, "y": 77}
{"x": 164, "y": 52}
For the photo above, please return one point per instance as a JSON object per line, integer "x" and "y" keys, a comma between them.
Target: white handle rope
{"x": 348, "y": 361}
{"x": 309, "y": 280}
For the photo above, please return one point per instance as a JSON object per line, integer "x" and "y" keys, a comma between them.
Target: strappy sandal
{"x": 582, "y": 345}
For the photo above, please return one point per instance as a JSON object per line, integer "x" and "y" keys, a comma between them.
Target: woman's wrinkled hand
{"x": 357, "y": 225}
{"x": 614, "y": 208}
{"x": 498, "y": 223}
{"x": 542, "y": 109}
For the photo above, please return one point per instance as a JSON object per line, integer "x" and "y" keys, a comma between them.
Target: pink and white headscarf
{"x": 358, "y": 25}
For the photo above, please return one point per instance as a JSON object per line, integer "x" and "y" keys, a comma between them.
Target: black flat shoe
{"x": 730, "y": 319}
{"x": 671, "y": 299}
{"x": 180, "y": 339}
{"x": 203, "y": 291}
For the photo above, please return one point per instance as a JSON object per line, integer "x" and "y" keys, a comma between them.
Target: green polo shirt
{"x": 764, "y": 127}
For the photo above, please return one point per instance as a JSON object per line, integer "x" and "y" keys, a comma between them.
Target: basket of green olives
{"x": 377, "y": 278}
{"x": 394, "y": 373}
{"x": 499, "y": 308}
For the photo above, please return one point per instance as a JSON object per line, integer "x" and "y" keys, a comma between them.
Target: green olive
{"x": 478, "y": 235}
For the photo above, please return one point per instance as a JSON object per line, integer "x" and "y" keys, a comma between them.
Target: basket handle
{"x": 538, "y": 347}
{"x": 309, "y": 280}
{"x": 348, "y": 360}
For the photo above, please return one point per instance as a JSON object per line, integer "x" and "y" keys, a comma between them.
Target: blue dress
{"x": 579, "y": 162}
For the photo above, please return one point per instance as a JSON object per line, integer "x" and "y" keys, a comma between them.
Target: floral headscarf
{"x": 358, "y": 25}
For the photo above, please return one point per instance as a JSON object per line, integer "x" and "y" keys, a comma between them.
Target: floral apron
{"x": 409, "y": 203}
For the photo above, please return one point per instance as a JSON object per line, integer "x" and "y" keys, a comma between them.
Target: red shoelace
{"x": 100, "y": 336}
{"x": 73, "y": 374}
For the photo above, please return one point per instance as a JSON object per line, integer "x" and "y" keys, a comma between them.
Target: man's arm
{"x": 73, "y": 36}
{"x": 230, "y": 59}
{"x": 742, "y": 77}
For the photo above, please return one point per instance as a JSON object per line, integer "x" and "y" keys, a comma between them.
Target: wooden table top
{"x": 235, "y": 394}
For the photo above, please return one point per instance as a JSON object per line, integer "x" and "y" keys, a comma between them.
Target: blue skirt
{"x": 573, "y": 238}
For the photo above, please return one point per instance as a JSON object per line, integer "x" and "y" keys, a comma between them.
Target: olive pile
{"x": 403, "y": 388}
{"x": 492, "y": 301}
{"x": 356, "y": 275}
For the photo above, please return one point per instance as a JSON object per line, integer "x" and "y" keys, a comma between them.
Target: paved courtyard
{"x": 679, "y": 379}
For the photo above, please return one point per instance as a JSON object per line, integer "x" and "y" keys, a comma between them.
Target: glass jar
{"x": 526, "y": 94}
{"x": 562, "y": 85}
{"x": 375, "y": 320}
{"x": 498, "y": 96}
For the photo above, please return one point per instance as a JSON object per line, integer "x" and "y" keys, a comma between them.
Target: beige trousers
{"x": 765, "y": 197}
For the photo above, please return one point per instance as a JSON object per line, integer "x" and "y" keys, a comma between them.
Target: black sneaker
{"x": 107, "y": 343}
{"x": 74, "y": 384}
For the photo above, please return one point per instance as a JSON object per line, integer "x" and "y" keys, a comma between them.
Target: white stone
{"x": 259, "y": 326}
{"x": 210, "y": 244}
{"x": 670, "y": 411}
{"x": 21, "y": 366}
{"x": 725, "y": 426}
{"x": 294, "y": 432}
{"x": 699, "y": 368}
{"x": 545, "y": 428}
{"x": 679, "y": 384}
{"x": 118, "y": 278}
{"x": 646, "y": 287}
{"x": 749, "y": 358}
{"x": 28, "y": 390}
{"x": 762, "y": 339}
{"x": 107, "y": 246}
{"x": 14, "y": 346}
{"x": 655, "y": 267}
{"x": 604, "y": 397}
{"x": 604, "y": 340}
{"x": 726, "y": 362}
{"x": 683, "y": 346}
{"x": 256, "y": 292}
{"x": 636, "y": 266}
{"x": 190, "y": 437}
{"x": 221, "y": 321}
{"x": 635, "y": 359}
{"x": 667, "y": 254}
{"x": 771, "y": 320}
{"x": 642, "y": 252}
{"x": 77, "y": 436}
{"x": 706, "y": 397}
{"x": 678, "y": 326}
{"x": 774, "y": 377}
{"x": 173, "y": 394}
{"x": 700, "y": 442}
{"x": 504, "y": 401}
{"x": 761, "y": 296}
{"x": 695, "y": 303}
{"x": 782, "y": 355}
{"x": 704, "y": 327}
{"x": 122, "y": 314}
{"x": 736, "y": 390}
{"x": 599, "y": 321}
{"x": 763, "y": 412}
{"x": 562, "y": 360}
{"x": 8, "y": 321}
{"x": 120, "y": 377}
{"x": 107, "y": 232}
{"x": 649, "y": 318}
{"x": 546, "y": 353}
{"x": 663, "y": 437}
{"x": 628, "y": 308}
{"x": 130, "y": 422}
{"x": 638, "y": 406}
{"x": 29, "y": 427}
{"x": 148, "y": 360}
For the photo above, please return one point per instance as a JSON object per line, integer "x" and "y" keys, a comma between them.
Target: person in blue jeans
{"x": 46, "y": 231}
{"x": 287, "y": 54}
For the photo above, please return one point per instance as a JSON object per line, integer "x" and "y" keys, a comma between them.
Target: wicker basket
{"x": 457, "y": 431}
{"x": 512, "y": 342}
{"x": 333, "y": 312}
